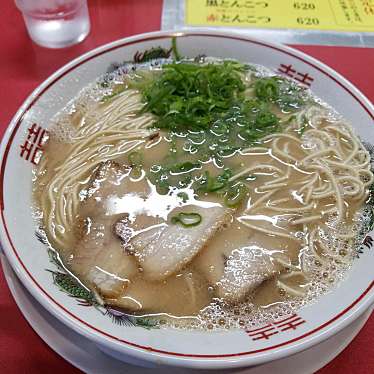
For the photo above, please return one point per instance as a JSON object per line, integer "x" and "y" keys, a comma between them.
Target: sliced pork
{"x": 98, "y": 258}
{"x": 237, "y": 260}
{"x": 163, "y": 250}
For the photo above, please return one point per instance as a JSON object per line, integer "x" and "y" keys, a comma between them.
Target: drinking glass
{"x": 55, "y": 23}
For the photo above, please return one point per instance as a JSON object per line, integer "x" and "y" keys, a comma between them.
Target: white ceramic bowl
{"x": 29, "y": 258}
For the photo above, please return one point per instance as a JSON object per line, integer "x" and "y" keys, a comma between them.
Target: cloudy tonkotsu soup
{"x": 209, "y": 194}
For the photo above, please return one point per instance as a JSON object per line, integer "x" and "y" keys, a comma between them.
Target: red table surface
{"x": 23, "y": 66}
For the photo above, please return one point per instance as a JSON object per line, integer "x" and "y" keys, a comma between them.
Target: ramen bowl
{"x": 118, "y": 335}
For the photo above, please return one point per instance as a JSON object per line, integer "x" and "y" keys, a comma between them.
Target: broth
{"x": 203, "y": 228}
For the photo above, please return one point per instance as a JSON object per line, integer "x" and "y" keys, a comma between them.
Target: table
{"x": 23, "y": 66}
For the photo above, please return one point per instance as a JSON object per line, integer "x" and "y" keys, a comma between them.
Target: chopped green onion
{"x": 184, "y": 167}
{"x": 266, "y": 119}
{"x": 189, "y": 96}
{"x": 213, "y": 184}
{"x": 135, "y": 158}
{"x": 187, "y": 219}
{"x": 283, "y": 92}
{"x": 235, "y": 195}
{"x": 210, "y": 115}
{"x": 135, "y": 161}
{"x": 175, "y": 49}
{"x": 163, "y": 187}
{"x": 225, "y": 176}
{"x": 183, "y": 196}
{"x": 267, "y": 89}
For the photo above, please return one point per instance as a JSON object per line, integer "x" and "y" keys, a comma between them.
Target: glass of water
{"x": 55, "y": 23}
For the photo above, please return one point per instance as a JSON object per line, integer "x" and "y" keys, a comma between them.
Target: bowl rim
{"x": 283, "y": 349}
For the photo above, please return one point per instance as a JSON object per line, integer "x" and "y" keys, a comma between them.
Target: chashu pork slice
{"x": 165, "y": 249}
{"x": 98, "y": 258}
{"x": 237, "y": 260}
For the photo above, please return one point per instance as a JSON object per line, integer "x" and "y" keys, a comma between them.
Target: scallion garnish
{"x": 280, "y": 91}
{"x": 135, "y": 158}
{"x": 235, "y": 195}
{"x": 183, "y": 196}
{"x": 189, "y": 96}
{"x": 175, "y": 49}
{"x": 210, "y": 115}
{"x": 187, "y": 219}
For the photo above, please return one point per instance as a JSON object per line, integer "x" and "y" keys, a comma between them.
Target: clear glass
{"x": 55, "y": 23}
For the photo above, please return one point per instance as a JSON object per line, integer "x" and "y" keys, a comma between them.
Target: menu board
{"x": 332, "y": 15}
